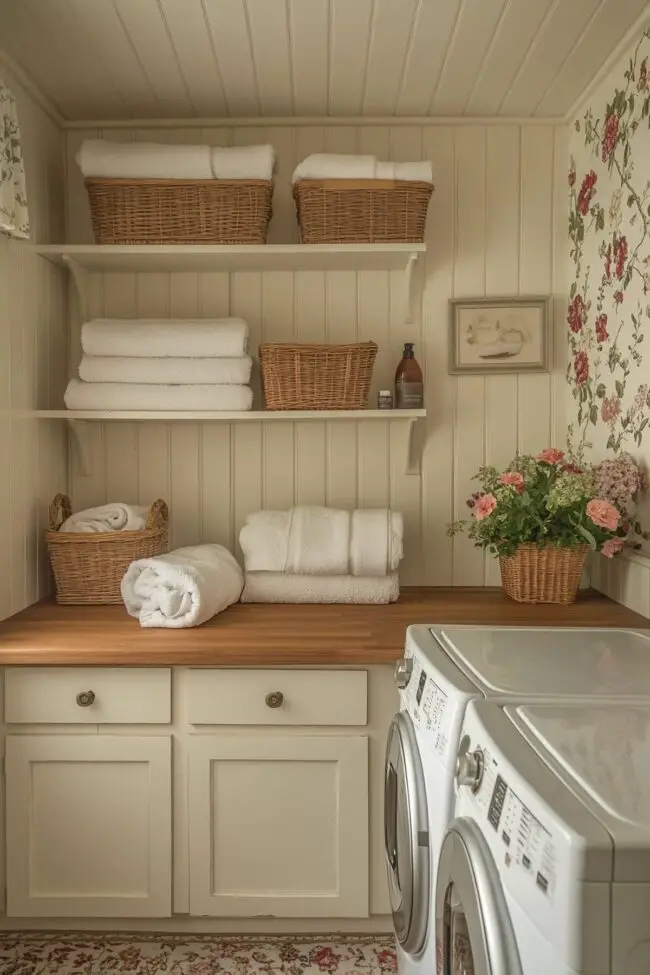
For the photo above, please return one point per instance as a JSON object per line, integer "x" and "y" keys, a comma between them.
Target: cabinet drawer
{"x": 278, "y": 697}
{"x": 87, "y": 695}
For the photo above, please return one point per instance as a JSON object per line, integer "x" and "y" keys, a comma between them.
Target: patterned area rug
{"x": 109, "y": 954}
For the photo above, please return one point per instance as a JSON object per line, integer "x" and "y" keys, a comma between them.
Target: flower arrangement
{"x": 549, "y": 501}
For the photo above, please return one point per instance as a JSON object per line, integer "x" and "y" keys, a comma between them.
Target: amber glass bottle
{"x": 409, "y": 389}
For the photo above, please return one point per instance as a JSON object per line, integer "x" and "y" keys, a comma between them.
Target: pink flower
{"x": 581, "y": 368}
{"x": 551, "y": 455}
{"x": 603, "y": 514}
{"x": 610, "y": 136}
{"x": 577, "y": 314}
{"x": 601, "y": 328}
{"x": 484, "y": 506}
{"x": 513, "y": 479}
{"x": 620, "y": 255}
{"x": 587, "y": 192}
{"x": 611, "y": 409}
{"x": 611, "y": 547}
{"x": 618, "y": 297}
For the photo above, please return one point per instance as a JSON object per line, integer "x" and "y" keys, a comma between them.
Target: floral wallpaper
{"x": 608, "y": 317}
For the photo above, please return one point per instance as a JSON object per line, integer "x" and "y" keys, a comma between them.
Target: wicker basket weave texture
{"x": 361, "y": 211}
{"x": 316, "y": 377}
{"x": 543, "y": 575}
{"x": 180, "y": 211}
{"x": 88, "y": 567}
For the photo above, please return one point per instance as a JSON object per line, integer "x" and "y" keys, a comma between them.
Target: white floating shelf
{"x": 243, "y": 257}
{"x": 79, "y": 421}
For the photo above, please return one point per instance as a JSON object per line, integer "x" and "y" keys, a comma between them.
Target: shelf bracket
{"x": 82, "y": 436}
{"x": 414, "y": 445}
{"x": 409, "y": 310}
{"x": 80, "y": 278}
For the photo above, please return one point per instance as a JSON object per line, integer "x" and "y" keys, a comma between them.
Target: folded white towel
{"x": 186, "y": 587}
{"x": 323, "y": 541}
{"x": 143, "y": 160}
{"x": 154, "y": 396}
{"x": 410, "y": 171}
{"x": 376, "y": 541}
{"x": 124, "y": 369}
{"x": 277, "y": 587}
{"x": 243, "y": 162}
{"x": 221, "y": 338}
{"x": 116, "y": 517}
{"x": 324, "y": 165}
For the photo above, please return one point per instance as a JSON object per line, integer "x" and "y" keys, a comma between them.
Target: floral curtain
{"x": 14, "y": 219}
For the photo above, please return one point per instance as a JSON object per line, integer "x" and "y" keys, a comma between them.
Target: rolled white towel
{"x": 218, "y": 338}
{"x": 376, "y": 541}
{"x": 186, "y": 587}
{"x": 324, "y": 165}
{"x": 278, "y": 587}
{"x": 143, "y": 160}
{"x": 319, "y": 541}
{"x": 116, "y": 517}
{"x": 242, "y": 162}
{"x": 124, "y": 369}
{"x": 264, "y": 540}
{"x": 155, "y": 396}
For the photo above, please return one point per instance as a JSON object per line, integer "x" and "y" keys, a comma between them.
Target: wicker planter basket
{"x": 361, "y": 211}
{"x": 316, "y": 377}
{"x": 88, "y": 568}
{"x": 543, "y": 575}
{"x": 180, "y": 211}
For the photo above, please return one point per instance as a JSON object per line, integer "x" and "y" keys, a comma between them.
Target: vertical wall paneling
{"x": 491, "y": 231}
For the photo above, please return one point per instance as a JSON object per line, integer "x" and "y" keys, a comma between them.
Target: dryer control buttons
{"x": 403, "y": 671}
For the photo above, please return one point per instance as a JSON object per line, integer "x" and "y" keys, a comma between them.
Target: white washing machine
{"x": 545, "y": 867}
{"x": 443, "y": 668}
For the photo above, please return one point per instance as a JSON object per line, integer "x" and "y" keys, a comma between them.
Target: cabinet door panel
{"x": 88, "y": 826}
{"x": 279, "y": 826}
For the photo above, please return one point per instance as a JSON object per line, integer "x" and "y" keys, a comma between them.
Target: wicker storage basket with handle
{"x": 543, "y": 575}
{"x": 316, "y": 377}
{"x": 361, "y": 211}
{"x": 88, "y": 566}
{"x": 180, "y": 211}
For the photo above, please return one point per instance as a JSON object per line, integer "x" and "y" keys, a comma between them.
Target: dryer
{"x": 442, "y": 670}
{"x": 546, "y": 864}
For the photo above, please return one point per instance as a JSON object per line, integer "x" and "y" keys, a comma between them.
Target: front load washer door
{"x": 406, "y": 830}
{"x": 473, "y": 929}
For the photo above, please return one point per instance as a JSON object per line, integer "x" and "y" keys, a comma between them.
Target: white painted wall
{"x": 33, "y": 310}
{"x": 492, "y": 228}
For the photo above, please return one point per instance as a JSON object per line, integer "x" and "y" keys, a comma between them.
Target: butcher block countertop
{"x": 262, "y": 636}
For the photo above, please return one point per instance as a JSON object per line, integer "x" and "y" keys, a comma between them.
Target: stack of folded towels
{"x": 102, "y": 159}
{"x": 322, "y": 555}
{"x": 323, "y": 165}
{"x": 145, "y": 364}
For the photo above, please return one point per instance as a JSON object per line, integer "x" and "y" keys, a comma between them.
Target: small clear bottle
{"x": 409, "y": 387}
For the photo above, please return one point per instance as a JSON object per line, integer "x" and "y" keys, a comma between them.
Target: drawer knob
{"x": 275, "y": 699}
{"x": 85, "y": 699}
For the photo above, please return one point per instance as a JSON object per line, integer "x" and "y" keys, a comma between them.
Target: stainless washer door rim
{"x": 466, "y": 864}
{"x": 406, "y": 833}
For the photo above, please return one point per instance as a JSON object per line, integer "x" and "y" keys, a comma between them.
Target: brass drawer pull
{"x": 85, "y": 699}
{"x": 275, "y": 699}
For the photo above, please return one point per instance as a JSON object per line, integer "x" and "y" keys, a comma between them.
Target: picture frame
{"x": 499, "y": 335}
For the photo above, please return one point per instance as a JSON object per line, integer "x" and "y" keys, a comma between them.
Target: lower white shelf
{"x": 78, "y": 421}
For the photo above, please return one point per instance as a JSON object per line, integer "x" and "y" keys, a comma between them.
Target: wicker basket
{"x": 361, "y": 211}
{"x": 316, "y": 377}
{"x": 88, "y": 568}
{"x": 180, "y": 211}
{"x": 543, "y": 575}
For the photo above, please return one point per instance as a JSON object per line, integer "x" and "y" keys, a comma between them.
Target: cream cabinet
{"x": 88, "y": 826}
{"x": 278, "y": 825}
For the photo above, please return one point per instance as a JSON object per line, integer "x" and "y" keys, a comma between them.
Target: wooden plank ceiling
{"x": 121, "y": 59}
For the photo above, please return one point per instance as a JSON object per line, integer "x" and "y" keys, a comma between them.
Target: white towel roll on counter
{"x": 142, "y": 396}
{"x": 278, "y": 587}
{"x": 158, "y": 338}
{"x": 186, "y": 587}
{"x": 176, "y": 371}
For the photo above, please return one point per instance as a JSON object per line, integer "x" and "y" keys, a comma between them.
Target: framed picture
{"x": 499, "y": 335}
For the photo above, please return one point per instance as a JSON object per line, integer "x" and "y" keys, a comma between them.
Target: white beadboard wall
{"x": 496, "y": 227}
{"x": 33, "y": 328}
